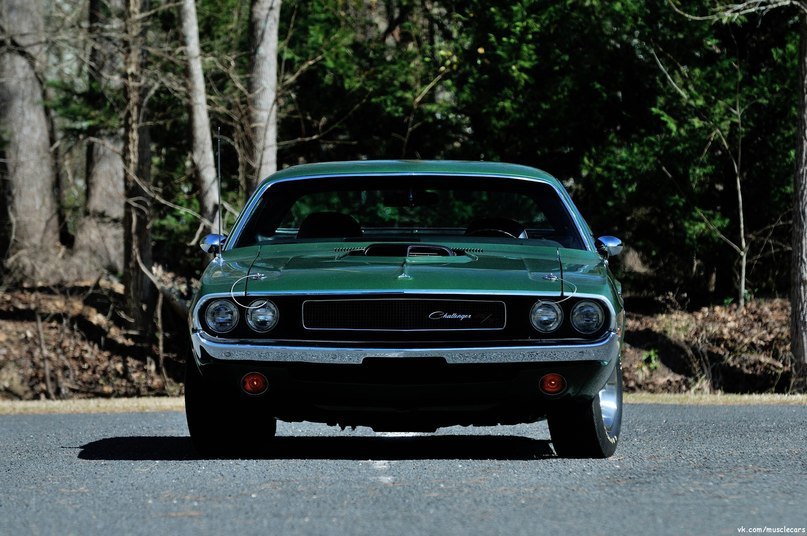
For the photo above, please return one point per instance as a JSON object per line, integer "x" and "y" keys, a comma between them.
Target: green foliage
{"x": 87, "y": 109}
{"x": 368, "y": 82}
{"x": 632, "y": 105}
{"x": 650, "y": 360}
{"x": 674, "y": 167}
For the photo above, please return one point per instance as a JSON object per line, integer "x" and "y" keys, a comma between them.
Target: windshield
{"x": 411, "y": 209}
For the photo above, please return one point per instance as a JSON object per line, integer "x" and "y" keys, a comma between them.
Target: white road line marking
{"x": 381, "y": 466}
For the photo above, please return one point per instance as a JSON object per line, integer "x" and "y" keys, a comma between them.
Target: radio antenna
{"x": 218, "y": 176}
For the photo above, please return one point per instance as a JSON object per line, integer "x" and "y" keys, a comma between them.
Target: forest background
{"x": 674, "y": 124}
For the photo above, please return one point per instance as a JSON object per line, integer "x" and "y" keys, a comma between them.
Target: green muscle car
{"x": 407, "y": 296}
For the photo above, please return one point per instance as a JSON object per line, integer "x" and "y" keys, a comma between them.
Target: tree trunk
{"x": 137, "y": 209}
{"x": 798, "y": 290}
{"x": 205, "y": 170}
{"x": 32, "y": 204}
{"x": 99, "y": 236}
{"x": 265, "y": 18}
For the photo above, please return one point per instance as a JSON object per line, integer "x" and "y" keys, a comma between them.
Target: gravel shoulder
{"x": 158, "y": 404}
{"x": 92, "y": 405}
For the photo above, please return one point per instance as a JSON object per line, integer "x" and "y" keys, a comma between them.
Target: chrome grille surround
{"x": 403, "y": 314}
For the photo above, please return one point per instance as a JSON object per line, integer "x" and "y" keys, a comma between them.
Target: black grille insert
{"x": 402, "y": 314}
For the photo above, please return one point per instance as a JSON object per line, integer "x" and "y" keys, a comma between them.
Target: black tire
{"x": 583, "y": 429}
{"x": 220, "y": 421}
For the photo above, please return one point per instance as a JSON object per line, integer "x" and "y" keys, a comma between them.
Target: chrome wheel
{"x": 611, "y": 400}
{"x": 589, "y": 428}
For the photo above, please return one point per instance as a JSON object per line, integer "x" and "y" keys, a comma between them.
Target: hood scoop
{"x": 404, "y": 250}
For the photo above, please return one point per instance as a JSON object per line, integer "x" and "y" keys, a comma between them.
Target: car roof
{"x": 410, "y": 167}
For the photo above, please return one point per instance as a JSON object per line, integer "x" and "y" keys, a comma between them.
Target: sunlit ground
{"x": 126, "y": 405}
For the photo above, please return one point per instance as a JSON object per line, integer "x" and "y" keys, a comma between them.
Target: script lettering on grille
{"x": 441, "y": 315}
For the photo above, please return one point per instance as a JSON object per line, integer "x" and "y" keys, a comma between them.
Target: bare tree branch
{"x": 706, "y": 220}
{"x": 732, "y": 11}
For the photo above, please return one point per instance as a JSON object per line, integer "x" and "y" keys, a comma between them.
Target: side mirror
{"x": 609, "y": 246}
{"x": 212, "y": 243}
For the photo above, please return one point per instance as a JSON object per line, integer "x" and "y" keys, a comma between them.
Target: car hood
{"x": 312, "y": 269}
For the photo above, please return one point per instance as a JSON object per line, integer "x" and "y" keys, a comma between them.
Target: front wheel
{"x": 220, "y": 421}
{"x": 589, "y": 429}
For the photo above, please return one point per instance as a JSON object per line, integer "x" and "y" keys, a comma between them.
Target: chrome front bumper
{"x": 604, "y": 351}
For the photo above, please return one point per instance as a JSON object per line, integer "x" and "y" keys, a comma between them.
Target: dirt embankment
{"x": 714, "y": 349}
{"x": 72, "y": 343}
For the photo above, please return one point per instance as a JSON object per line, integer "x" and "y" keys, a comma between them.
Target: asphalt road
{"x": 678, "y": 470}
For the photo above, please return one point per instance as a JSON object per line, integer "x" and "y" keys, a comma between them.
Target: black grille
{"x": 396, "y": 314}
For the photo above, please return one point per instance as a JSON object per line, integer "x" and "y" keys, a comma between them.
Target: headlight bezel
{"x": 209, "y": 310}
{"x": 556, "y": 324}
{"x": 575, "y": 311}
{"x": 253, "y": 308}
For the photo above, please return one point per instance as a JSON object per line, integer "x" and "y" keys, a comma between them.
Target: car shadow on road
{"x": 447, "y": 447}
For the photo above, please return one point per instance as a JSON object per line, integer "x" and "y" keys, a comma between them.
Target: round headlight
{"x": 546, "y": 316}
{"x": 221, "y": 316}
{"x": 587, "y": 317}
{"x": 262, "y": 315}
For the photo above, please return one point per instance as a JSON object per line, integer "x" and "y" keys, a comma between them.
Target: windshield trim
{"x": 254, "y": 200}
